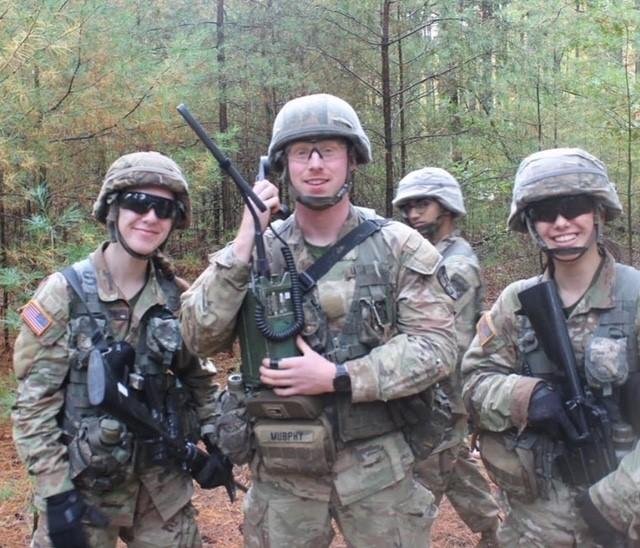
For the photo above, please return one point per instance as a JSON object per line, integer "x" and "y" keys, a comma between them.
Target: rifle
{"x": 114, "y": 398}
{"x": 589, "y": 434}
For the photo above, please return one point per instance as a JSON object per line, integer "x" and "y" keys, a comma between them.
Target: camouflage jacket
{"x": 495, "y": 390}
{"x": 463, "y": 271}
{"x": 41, "y": 364}
{"x": 420, "y": 351}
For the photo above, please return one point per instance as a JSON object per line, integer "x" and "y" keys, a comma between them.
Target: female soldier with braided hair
{"x": 95, "y": 479}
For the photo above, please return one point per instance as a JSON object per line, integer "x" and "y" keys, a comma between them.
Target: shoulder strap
{"x": 354, "y": 237}
{"x": 459, "y": 247}
{"x": 623, "y": 316}
{"x": 98, "y": 338}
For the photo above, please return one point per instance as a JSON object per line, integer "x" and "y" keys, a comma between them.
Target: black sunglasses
{"x": 569, "y": 207}
{"x": 141, "y": 203}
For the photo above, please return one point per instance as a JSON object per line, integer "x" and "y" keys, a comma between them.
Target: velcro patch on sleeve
{"x": 485, "y": 329}
{"x": 446, "y": 284}
{"x": 36, "y": 318}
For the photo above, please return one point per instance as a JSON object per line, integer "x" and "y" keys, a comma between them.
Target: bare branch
{"x": 70, "y": 86}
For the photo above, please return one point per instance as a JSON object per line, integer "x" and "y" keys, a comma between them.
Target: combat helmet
{"x": 319, "y": 116}
{"x": 561, "y": 172}
{"x": 140, "y": 169}
{"x": 431, "y": 182}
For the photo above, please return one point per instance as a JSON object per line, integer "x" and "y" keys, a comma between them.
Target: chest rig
{"x": 607, "y": 361}
{"x": 617, "y": 323}
{"x": 369, "y": 322}
{"x": 152, "y": 359}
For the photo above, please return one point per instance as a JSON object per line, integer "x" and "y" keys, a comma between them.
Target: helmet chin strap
{"x": 319, "y": 203}
{"x": 565, "y": 254}
{"x": 116, "y": 237}
{"x": 429, "y": 230}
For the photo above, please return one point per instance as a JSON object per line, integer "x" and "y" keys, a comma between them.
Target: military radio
{"x": 271, "y": 315}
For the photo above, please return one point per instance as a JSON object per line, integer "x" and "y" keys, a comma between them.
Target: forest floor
{"x": 219, "y": 520}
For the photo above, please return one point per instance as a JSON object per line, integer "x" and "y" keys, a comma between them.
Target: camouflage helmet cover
{"x": 431, "y": 182}
{"x": 140, "y": 169}
{"x": 561, "y": 172}
{"x": 319, "y": 116}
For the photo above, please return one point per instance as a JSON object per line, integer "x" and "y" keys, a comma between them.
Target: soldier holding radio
{"x": 320, "y": 428}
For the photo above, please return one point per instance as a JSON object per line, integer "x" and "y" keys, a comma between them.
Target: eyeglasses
{"x": 569, "y": 207}
{"x": 419, "y": 205}
{"x": 141, "y": 203}
{"x": 327, "y": 150}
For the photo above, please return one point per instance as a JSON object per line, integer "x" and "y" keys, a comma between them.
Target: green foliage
{"x": 7, "y": 395}
{"x": 473, "y": 87}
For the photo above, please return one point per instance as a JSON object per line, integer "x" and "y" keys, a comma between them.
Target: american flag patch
{"x": 36, "y": 318}
{"x": 485, "y": 329}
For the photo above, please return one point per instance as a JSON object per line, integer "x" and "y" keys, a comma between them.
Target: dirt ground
{"x": 219, "y": 520}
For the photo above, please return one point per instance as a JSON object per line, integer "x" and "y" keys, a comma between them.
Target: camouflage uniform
{"x": 147, "y": 505}
{"x": 451, "y": 469}
{"x": 541, "y": 508}
{"x": 369, "y": 490}
{"x": 616, "y": 496}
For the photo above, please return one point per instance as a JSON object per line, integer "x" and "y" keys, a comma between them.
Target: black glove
{"x": 546, "y": 413}
{"x": 64, "y": 519}
{"x": 601, "y": 530}
{"x": 216, "y": 472}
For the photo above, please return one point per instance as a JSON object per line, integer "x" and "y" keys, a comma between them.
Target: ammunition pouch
{"x": 425, "y": 419}
{"x": 266, "y": 404}
{"x": 358, "y": 421}
{"x": 295, "y": 446}
{"x": 100, "y": 454}
{"x": 510, "y": 462}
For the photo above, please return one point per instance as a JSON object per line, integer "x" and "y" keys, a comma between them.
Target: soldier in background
{"x": 378, "y": 326}
{"x": 95, "y": 481}
{"x": 430, "y": 201}
{"x": 515, "y": 394}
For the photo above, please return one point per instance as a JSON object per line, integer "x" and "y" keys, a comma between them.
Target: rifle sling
{"x": 309, "y": 278}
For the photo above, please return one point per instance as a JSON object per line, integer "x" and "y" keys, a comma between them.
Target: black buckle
{"x": 306, "y": 281}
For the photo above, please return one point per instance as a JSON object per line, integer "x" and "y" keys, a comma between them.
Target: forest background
{"x": 472, "y": 86}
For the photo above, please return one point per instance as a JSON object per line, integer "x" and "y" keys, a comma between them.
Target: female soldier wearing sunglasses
{"x": 515, "y": 394}
{"x": 95, "y": 479}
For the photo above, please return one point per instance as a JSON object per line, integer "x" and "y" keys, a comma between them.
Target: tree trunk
{"x": 223, "y": 121}
{"x": 386, "y": 108}
{"x": 3, "y": 263}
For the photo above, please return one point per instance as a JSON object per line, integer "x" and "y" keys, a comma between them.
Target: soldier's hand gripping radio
{"x": 271, "y": 314}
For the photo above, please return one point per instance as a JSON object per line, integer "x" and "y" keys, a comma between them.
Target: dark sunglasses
{"x": 569, "y": 207}
{"x": 141, "y": 203}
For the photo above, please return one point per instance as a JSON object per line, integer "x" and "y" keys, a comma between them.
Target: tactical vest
{"x": 370, "y": 322}
{"x": 616, "y": 324}
{"x": 104, "y": 464}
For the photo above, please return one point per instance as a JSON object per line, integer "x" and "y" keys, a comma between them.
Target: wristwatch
{"x": 342, "y": 380}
